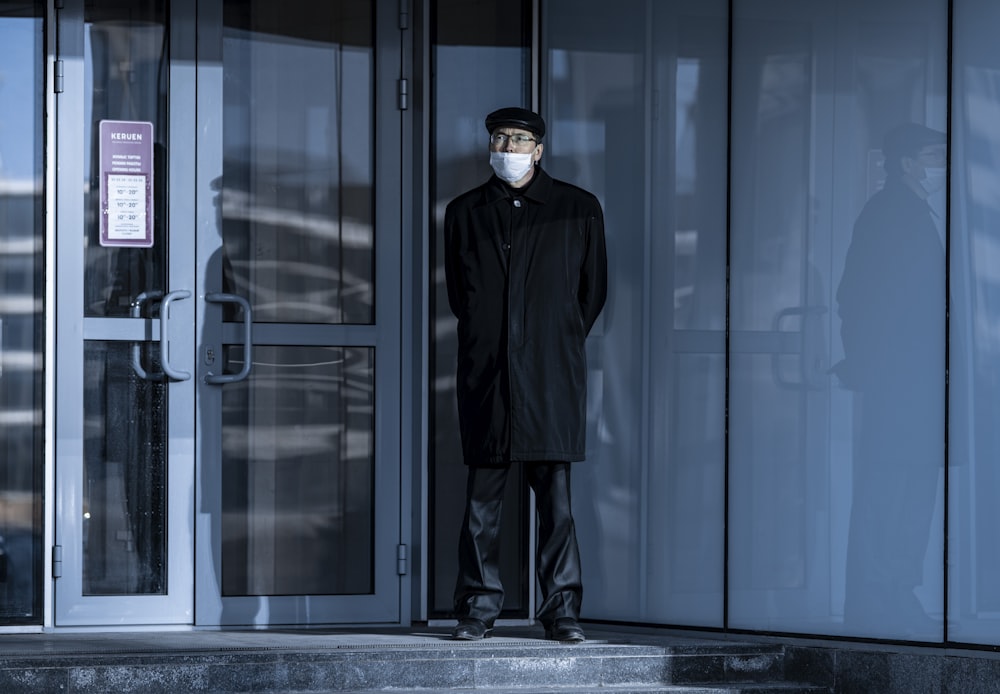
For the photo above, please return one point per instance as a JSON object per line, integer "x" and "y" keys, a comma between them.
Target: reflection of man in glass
{"x": 892, "y": 307}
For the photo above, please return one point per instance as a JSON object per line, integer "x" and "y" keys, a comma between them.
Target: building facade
{"x": 227, "y": 360}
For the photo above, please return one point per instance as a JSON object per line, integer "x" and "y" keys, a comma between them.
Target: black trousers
{"x": 478, "y": 590}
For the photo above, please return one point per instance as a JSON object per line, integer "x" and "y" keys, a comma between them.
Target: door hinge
{"x": 402, "y": 563}
{"x": 404, "y": 94}
{"x": 56, "y": 561}
{"x": 404, "y": 14}
{"x": 57, "y": 77}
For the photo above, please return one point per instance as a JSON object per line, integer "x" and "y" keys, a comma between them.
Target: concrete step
{"x": 424, "y": 662}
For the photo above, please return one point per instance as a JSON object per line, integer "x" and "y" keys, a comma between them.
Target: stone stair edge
{"x": 703, "y": 688}
{"x": 446, "y": 650}
{"x": 473, "y": 673}
{"x": 293, "y": 658}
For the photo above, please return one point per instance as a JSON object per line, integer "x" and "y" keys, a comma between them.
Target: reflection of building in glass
{"x": 21, "y": 420}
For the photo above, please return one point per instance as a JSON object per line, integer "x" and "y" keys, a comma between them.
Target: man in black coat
{"x": 526, "y": 271}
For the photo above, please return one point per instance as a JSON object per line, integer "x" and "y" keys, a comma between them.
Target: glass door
{"x": 298, "y": 248}
{"x": 125, "y": 319}
{"x": 222, "y": 224}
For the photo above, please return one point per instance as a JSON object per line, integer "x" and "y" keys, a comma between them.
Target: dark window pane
{"x": 22, "y": 334}
{"x": 481, "y": 58}
{"x": 126, "y": 79}
{"x": 125, "y": 453}
{"x": 297, "y": 189}
{"x": 298, "y": 473}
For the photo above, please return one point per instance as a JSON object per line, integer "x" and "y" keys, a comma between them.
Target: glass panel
{"x": 22, "y": 318}
{"x": 125, "y": 75}
{"x": 636, "y": 92}
{"x": 837, "y": 251}
{"x": 297, "y": 189}
{"x": 480, "y": 64}
{"x": 298, "y": 473}
{"x": 125, "y": 453}
{"x": 974, "y": 437}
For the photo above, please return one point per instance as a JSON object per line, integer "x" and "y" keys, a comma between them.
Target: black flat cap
{"x": 909, "y": 138}
{"x": 513, "y": 117}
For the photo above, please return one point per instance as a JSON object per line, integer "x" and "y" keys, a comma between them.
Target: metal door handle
{"x": 221, "y": 298}
{"x": 136, "y": 351}
{"x": 171, "y": 372}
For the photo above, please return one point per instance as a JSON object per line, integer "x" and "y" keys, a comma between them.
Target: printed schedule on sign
{"x": 126, "y": 207}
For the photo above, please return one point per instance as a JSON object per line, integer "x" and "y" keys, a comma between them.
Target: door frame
{"x": 383, "y": 336}
{"x": 70, "y": 606}
{"x": 194, "y": 541}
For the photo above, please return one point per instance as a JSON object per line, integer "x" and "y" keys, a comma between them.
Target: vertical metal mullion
{"x": 412, "y": 313}
{"x": 645, "y": 359}
{"x": 49, "y": 397}
{"x": 535, "y": 88}
{"x": 947, "y": 323}
{"x": 66, "y": 206}
{"x": 535, "y": 54}
{"x": 729, "y": 227}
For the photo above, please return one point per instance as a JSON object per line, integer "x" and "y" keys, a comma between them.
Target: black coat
{"x": 527, "y": 277}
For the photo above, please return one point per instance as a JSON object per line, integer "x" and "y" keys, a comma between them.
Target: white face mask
{"x": 934, "y": 179}
{"x": 511, "y": 166}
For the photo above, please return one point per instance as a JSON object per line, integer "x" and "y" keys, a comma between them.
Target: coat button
{"x": 517, "y": 203}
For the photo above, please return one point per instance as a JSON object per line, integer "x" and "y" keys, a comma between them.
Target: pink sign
{"x": 126, "y": 183}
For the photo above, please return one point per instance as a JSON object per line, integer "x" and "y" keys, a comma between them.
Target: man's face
{"x": 517, "y": 140}
{"x": 923, "y": 171}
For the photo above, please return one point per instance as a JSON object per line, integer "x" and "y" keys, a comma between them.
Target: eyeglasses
{"x": 519, "y": 140}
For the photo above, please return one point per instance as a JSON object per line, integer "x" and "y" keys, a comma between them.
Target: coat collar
{"x": 538, "y": 190}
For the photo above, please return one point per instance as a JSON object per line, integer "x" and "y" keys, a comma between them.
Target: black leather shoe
{"x": 565, "y": 629}
{"x": 471, "y": 629}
